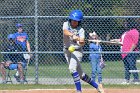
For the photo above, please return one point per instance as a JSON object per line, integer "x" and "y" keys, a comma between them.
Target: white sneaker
{"x": 135, "y": 81}
{"x": 125, "y": 83}
{"x": 100, "y": 89}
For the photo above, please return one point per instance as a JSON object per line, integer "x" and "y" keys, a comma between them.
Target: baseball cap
{"x": 11, "y": 36}
{"x": 19, "y": 25}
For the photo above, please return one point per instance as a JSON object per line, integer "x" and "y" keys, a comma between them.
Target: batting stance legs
{"x": 74, "y": 60}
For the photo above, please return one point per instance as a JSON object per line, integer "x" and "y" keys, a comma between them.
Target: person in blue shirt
{"x": 12, "y": 61}
{"x": 21, "y": 38}
{"x": 95, "y": 58}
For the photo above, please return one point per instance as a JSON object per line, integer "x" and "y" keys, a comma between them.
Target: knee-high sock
{"x": 76, "y": 79}
{"x": 87, "y": 79}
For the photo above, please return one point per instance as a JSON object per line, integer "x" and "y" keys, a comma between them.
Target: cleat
{"x": 100, "y": 89}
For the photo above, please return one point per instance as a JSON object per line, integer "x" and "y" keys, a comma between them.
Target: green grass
{"x": 40, "y": 86}
{"x": 112, "y": 70}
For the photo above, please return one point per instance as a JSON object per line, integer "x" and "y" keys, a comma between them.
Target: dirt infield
{"x": 70, "y": 91}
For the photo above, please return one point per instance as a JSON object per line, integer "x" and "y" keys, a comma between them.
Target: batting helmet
{"x": 11, "y": 36}
{"x": 19, "y": 25}
{"x": 76, "y": 15}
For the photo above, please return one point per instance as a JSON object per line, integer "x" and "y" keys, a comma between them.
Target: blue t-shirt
{"x": 94, "y": 48}
{"x": 21, "y": 39}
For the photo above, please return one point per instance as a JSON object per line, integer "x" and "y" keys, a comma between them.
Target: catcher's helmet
{"x": 11, "y": 36}
{"x": 76, "y": 15}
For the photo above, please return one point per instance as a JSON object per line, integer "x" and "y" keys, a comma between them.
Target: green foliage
{"x": 99, "y": 7}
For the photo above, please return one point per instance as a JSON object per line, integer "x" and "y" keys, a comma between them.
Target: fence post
{"x": 36, "y": 42}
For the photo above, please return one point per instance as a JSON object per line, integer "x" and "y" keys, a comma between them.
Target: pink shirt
{"x": 128, "y": 39}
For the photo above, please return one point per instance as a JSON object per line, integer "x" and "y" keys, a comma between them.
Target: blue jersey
{"x": 95, "y": 48}
{"x": 21, "y": 39}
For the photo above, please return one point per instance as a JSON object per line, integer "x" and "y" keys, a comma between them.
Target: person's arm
{"x": 115, "y": 40}
{"x": 66, "y": 32}
{"x": 81, "y": 41}
{"x": 28, "y": 46}
{"x": 74, "y": 37}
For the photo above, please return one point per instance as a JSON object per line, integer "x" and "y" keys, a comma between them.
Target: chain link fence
{"x": 43, "y": 20}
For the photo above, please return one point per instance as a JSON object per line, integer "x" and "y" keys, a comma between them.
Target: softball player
{"x": 74, "y": 35}
{"x": 95, "y": 58}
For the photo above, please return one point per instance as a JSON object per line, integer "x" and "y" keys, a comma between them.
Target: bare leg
{"x": 20, "y": 69}
{"x": 2, "y": 70}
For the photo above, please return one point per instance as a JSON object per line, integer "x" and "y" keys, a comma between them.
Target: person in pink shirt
{"x": 129, "y": 41}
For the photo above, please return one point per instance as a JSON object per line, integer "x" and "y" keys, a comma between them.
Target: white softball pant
{"x": 74, "y": 60}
